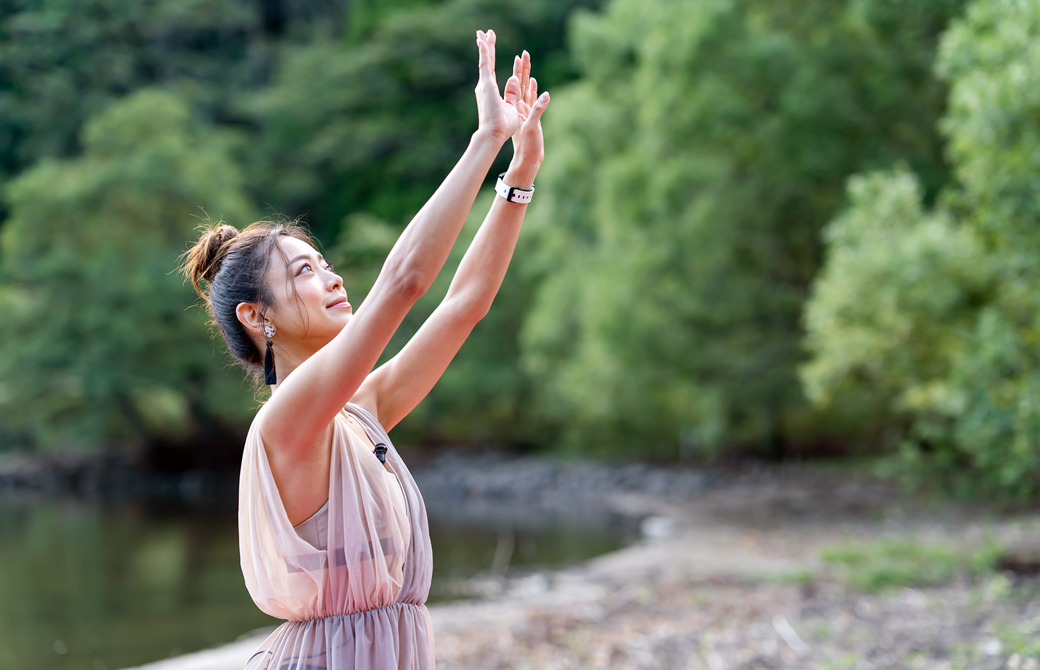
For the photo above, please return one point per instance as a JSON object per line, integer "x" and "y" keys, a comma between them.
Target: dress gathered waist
{"x": 397, "y": 636}
{"x": 391, "y": 606}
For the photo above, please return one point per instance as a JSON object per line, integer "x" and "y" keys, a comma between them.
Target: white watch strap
{"x": 511, "y": 193}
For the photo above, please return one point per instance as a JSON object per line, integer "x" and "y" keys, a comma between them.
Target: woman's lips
{"x": 339, "y": 304}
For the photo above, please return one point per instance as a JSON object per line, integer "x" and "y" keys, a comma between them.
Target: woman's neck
{"x": 290, "y": 355}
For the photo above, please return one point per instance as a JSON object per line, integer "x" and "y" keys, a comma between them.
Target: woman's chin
{"x": 340, "y": 318}
{"x": 340, "y": 313}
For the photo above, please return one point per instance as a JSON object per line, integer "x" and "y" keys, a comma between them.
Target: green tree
{"x": 894, "y": 308}
{"x": 992, "y": 61}
{"x": 687, "y": 178}
{"x": 97, "y": 344}
{"x": 63, "y": 62}
{"x": 978, "y": 418}
{"x": 372, "y": 126}
{"x": 371, "y": 103}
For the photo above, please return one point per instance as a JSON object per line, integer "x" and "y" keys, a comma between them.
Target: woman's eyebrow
{"x": 305, "y": 257}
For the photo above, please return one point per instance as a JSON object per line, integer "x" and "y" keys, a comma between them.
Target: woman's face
{"x": 310, "y": 305}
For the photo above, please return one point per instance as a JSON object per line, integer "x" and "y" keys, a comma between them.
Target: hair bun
{"x": 203, "y": 260}
{"x": 216, "y": 249}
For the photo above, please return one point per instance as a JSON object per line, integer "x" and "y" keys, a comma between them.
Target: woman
{"x": 333, "y": 532}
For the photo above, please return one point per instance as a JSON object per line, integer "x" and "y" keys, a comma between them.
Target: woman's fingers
{"x": 486, "y": 63}
{"x": 525, "y": 73}
{"x": 518, "y": 73}
{"x": 522, "y": 71}
{"x": 491, "y": 39}
{"x": 512, "y": 93}
{"x": 521, "y": 89}
{"x": 486, "y": 48}
{"x": 538, "y": 107}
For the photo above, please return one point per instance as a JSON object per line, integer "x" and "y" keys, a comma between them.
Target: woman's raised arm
{"x": 302, "y": 405}
{"x": 393, "y": 390}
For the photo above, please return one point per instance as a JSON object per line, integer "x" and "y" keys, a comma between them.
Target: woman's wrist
{"x": 488, "y": 137}
{"x": 521, "y": 175}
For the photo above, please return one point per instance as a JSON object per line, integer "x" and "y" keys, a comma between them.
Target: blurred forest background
{"x": 771, "y": 227}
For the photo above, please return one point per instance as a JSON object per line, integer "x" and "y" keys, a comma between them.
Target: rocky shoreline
{"x": 493, "y": 490}
{"x": 111, "y": 475}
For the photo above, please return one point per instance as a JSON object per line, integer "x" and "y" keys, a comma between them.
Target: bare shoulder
{"x": 261, "y": 426}
{"x": 295, "y": 461}
{"x": 301, "y": 474}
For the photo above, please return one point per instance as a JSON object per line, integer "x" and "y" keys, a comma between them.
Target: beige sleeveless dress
{"x": 359, "y": 601}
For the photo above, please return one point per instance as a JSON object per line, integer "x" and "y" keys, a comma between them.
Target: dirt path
{"x": 738, "y": 583}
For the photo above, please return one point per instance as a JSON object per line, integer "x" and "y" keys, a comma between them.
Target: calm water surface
{"x": 96, "y": 586}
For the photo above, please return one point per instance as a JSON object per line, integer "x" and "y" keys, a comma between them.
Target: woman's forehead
{"x": 294, "y": 247}
{"x": 289, "y": 249}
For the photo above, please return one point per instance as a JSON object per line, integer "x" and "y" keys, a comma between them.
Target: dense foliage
{"x": 98, "y": 347}
{"x": 374, "y": 126}
{"x": 933, "y": 315}
{"x": 337, "y": 111}
{"x": 762, "y": 224}
{"x": 692, "y": 169}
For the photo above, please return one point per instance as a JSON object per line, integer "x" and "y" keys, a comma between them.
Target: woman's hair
{"x": 233, "y": 266}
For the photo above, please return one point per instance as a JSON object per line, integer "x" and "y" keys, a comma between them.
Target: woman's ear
{"x": 250, "y": 316}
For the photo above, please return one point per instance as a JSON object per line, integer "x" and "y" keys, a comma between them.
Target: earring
{"x": 270, "y": 377}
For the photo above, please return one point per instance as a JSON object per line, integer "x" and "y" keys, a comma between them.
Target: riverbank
{"x": 729, "y": 573}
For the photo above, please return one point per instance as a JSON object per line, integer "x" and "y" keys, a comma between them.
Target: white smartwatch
{"x": 511, "y": 193}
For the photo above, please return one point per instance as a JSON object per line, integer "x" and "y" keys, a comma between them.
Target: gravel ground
{"x": 737, "y": 623}
{"x": 734, "y": 581}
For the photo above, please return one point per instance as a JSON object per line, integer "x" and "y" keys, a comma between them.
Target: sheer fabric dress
{"x": 354, "y": 598}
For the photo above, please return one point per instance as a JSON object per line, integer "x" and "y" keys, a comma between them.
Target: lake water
{"x": 101, "y": 586}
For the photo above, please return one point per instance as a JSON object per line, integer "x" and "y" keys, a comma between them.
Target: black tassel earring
{"x": 270, "y": 377}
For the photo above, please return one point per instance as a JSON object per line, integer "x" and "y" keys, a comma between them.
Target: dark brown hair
{"x": 233, "y": 266}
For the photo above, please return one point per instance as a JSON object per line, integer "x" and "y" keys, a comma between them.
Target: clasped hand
{"x": 515, "y": 113}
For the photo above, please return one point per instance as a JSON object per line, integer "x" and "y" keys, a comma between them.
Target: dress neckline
{"x": 312, "y": 517}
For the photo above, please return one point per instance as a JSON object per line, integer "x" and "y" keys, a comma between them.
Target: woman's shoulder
{"x": 258, "y": 418}
{"x": 257, "y": 426}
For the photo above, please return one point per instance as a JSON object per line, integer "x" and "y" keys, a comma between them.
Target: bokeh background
{"x": 764, "y": 228}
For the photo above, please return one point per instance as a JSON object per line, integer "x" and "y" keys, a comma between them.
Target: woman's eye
{"x": 328, "y": 266}
{"x": 305, "y": 266}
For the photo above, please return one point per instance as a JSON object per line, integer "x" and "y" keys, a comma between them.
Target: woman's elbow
{"x": 474, "y": 314}
{"x": 469, "y": 310}
{"x": 409, "y": 284}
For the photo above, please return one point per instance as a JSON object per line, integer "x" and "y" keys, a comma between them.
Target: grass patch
{"x": 900, "y": 563}
{"x": 846, "y": 662}
{"x": 1020, "y": 636}
{"x": 787, "y": 577}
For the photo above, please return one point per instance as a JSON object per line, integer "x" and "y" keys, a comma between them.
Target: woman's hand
{"x": 497, "y": 113}
{"x": 402, "y": 382}
{"x": 528, "y": 146}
